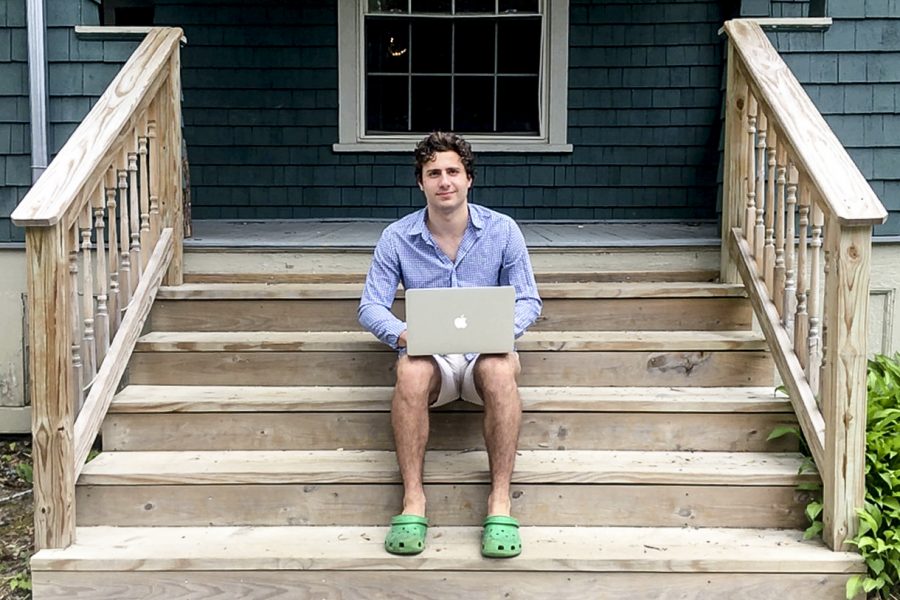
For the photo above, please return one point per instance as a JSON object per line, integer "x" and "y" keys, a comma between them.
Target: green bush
{"x": 878, "y": 539}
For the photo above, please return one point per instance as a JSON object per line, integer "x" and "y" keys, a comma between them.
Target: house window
{"x": 494, "y": 70}
{"x": 127, "y": 13}
{"x": 818, "y": 8}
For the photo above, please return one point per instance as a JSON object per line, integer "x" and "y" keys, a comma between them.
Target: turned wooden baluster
{"x": 789, "y": 282}
{"x": 153, "y": 177}
{"x": 113, "y": 263}
{"x": 101, "y": 322}
{"x": 772, "y": 206}
{"x": 750, "y": 217}
{"x": 815, "y": 294}
{"x": 135, "y": 218}
{"x": 126, "y": 282}
{"x": 801, "y": 321}
{"x": 75, "y": 321}
{"x": 143, "y": 176}
{"x": 759, "y": 232}
{"x": 89, "y": 350}
{"x": 777, "y": 167}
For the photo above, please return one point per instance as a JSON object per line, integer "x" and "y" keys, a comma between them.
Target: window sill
{"x": 477, "y": 146}
{"x": 114, "y": 33}
{"x": 790, "y": 24}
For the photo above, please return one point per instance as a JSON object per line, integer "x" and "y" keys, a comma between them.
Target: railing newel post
{"x": 52, "y": 381}
{"x": 733, "y": 194}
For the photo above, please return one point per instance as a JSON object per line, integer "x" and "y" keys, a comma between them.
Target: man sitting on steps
{"x": 451, "y": 243}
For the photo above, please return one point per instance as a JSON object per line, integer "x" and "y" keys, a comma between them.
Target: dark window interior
{"x": 470, "y": 75}
{"x": 127, "y": 13}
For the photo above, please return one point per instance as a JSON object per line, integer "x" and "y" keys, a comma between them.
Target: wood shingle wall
{"x": 852, "y": 74}
{"x": 78, "y": 73}
{"x": 260, "y": 108}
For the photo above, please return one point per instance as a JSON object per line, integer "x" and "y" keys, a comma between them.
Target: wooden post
{"x": 52, "y": 405}
{"x": 750, "y": 174}
{"x": 762, "y": 202}
{"x": 171, "y": 185}
{"x": 844, "y": 379}
{"x": 733, "y": 199}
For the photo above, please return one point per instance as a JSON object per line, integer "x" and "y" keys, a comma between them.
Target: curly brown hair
{"x": 444, "y": 141}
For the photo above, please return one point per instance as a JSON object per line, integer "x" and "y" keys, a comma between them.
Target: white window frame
{"x": 554, "y": 89}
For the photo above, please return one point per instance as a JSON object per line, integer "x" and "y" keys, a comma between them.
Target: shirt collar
{"x": 418, "y": 227}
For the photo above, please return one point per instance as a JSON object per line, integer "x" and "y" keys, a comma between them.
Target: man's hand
{"x": 401, "y": 341}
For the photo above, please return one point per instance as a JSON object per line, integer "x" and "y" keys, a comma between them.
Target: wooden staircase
{"x": 250, "y": 456}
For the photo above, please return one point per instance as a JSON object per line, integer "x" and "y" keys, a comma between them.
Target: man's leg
{"x": 418, "y": 384}
{"x": 495, "y": 381}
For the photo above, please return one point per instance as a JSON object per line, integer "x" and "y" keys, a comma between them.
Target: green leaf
{"x": 813, "y": 510}
{"x": 813, "y": 530}
{"x": 876, "y": 565}
{"x": 25, "y": 472}
{"x": 854, "y": 586}
{"x": 783, "y": 430}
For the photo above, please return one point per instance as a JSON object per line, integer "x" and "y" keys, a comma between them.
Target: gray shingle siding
{"x": 260, "y": 96}
{"x": 260, "y": 108}
{"x": 15, "y": 147}
{"x": 852, "y": 73}
{"x": 78, "y": 73}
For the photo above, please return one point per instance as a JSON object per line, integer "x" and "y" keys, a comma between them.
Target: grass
{"x": 16, "y": 519}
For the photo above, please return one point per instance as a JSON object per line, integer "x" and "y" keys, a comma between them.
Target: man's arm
{"x": 378, "y": 295}
{"x": 517, "y": 272}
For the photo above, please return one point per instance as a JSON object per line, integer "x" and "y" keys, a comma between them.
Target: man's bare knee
{"x": 418, "y": 378}
{"x": 495, "y": 375}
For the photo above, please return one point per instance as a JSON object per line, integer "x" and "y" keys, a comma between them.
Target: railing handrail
{"x": 103, "y": 230}
{"x": 78, "y": 165}
{"x": 791, "y": 193}
{"x": 846, "y": 194}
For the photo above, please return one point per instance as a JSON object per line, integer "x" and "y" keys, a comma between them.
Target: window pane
{"x": 476, "y": 6}
{"x": 387, "y": 104}
{"x": 474, "y": 111}
{"x": 475, "y": 46}
{"x": 388, "y": 6}
{"x": 387, "y": 46}
{"x": 431, "y": 45}
{"x": 518, "y": 6}
{"x": 519, "y": 46}
{"x": 431, "y": 6}
{"x": 517, "y": 105}
{"x": 431, "y": 104}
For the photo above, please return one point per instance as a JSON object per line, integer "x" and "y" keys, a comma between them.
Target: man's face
{"x": 445, "y": 182}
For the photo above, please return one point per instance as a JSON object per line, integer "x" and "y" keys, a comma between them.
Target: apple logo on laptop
{"x": 460, "y": 322}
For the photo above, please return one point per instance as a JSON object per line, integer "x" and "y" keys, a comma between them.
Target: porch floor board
{"x": 359, "y": 234}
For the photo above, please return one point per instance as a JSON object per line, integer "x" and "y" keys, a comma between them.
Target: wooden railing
{"x": 103, "y": 229}
{"x": 790, "y": 192}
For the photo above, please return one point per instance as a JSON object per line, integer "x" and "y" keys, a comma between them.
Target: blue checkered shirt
{"x": 492, "y": 252}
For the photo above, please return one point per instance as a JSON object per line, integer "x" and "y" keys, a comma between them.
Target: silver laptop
{"x": 460, "y": 320}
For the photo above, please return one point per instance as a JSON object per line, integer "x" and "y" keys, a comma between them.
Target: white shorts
{"x": 457, "y": 379}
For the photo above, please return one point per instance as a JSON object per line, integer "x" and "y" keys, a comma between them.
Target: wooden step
{"x": 370, "y": 466}
{"x": 245, "y": 418}
{"x": 449, "y": 431}
{"x": 357, "y": 276}
{"x": 362, "y": 487}
{"x": 660, "y": 368}
{"x": 645, "y": 505}
{"x": 352, "y": 291}
{"x": 191, "y": 398}
{"x": 126, "y": 563}
{"x": 360, "y": 341}
{"x": 567, "y": 306}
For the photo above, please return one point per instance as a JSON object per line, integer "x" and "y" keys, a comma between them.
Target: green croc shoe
{"x": 407, "y": 535}
{"x": 501, "y": 537}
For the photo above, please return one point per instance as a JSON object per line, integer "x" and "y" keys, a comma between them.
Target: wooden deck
{"x": 331, "y": 234}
